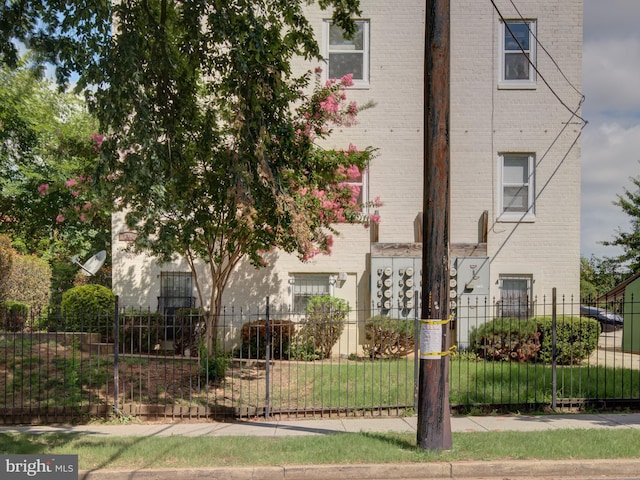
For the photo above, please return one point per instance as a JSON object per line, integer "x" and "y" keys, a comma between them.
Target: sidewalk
{"x": 279, "y": 428}
{"x": 470, "y": 470}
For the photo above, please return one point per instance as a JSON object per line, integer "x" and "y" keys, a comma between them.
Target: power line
{"x": 546, "y": 51}
{"x": 535, "y": 68}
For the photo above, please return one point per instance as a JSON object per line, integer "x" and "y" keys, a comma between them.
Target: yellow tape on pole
{"x": 431, "y": 339}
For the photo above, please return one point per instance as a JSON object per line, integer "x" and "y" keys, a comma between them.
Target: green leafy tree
{"x": 599, "y": 275}
{"x": 629, "y": 202}
{"x": 46, "y": 149}
{"x": 211, "y": 140}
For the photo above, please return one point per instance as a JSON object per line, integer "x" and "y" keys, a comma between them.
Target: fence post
{"x": 554, "y": 330}
{"x": 267, "y": 361}
{"x": 116, "y": 348}
{"x": 416, "y": 356}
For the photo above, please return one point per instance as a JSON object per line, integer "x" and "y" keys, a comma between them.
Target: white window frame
{"x": 328, "y": 50}
{"x": 525, "y": 310}
{"x": 518, "y": 216}
{"x": 364, "y": 191}
{"x": 529, "y": 83}
{"x": 309, "y": 281}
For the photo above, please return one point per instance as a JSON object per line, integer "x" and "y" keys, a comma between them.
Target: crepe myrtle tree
{"x": 211, "y": 143}
{"x": 221, "y": 201}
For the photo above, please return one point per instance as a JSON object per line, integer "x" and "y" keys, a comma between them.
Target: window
{"x": 176, "y": 291}
{"x": 360, "y": 194}
{"x": 517, "y": 192}
{"x": 515, "y": 296}
{"x": 305, "y": 286}
{"x": 346, "y": 56}
{"x": 517, "y": 54}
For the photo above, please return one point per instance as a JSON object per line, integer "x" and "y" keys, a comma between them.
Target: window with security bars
{"x": 305, "y": 286}
{"x": 176, "y": 291}
{"x": 515, "y": 296}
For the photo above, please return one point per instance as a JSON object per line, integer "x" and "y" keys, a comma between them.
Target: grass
{"x": 35, "y": 374}
{"x": 347, "y": 448}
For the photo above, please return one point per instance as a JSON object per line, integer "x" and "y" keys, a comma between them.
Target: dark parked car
{"x": 608, "y": 320}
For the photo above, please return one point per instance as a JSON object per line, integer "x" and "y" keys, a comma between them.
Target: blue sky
{"x": 611, "y": 140}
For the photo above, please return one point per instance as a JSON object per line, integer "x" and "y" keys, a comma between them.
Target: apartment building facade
{"x": 514, "y": 134}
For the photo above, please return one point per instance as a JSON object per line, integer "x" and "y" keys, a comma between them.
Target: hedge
{"x": 387, "y": 337}
{"x": 88, "y": 308}
{"x": 254, "y": 338}
{"x": 531, "y": 340}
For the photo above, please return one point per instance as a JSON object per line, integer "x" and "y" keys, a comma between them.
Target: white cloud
{"x": 610, "y": 71}
{"x": 610, "y": 155}
{"x": 611, "y": 141}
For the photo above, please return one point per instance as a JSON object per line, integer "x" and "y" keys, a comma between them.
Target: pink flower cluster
{"x": 98, "y": 139}
{"x": 328, "y": 106}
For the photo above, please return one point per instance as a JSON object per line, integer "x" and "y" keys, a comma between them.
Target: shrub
{"x": 507, "y": 339}
{"x": 13, "y": 316}
{"x": 324, "y": 323}
{"x": 213, "y": 365}
{"x": 7, "y": 254}
{"x": 576, "y": 339}
{"x": 88, "y": 308}
{"x": 30, "y": 282}
{"x": 387, "y": 337}
{"x": 140, "y": 331}
{"x": 304, "y": 350}
{"x": 254, "y": 338}
{"x": 188, "y": 327}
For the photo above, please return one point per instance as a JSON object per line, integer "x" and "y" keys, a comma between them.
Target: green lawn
{"x": 34, "y": 375}
{"x": 183, "y": 452}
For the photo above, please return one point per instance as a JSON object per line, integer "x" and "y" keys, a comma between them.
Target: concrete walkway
{"x": 470, "y": 470}
{"x": 279, "y": 428}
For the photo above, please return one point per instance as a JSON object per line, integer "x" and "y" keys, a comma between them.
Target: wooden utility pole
{"x": 434, "y": 422}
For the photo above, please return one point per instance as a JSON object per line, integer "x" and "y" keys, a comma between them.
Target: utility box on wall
{"x": 396, "y": 283}
{"x": 469, "y": 295}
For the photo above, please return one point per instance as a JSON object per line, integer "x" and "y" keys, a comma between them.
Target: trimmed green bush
{"x": 506, "y": 339}
{"x": 254, "y": 338}
{"x": 324, "y": 323}
{"x": 576, "y": 339}
{"x": 88, "y": 308}
{"x": 387, "y": 337}
{"x": 511, "y": 339}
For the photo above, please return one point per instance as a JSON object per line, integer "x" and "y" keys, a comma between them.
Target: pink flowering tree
{"x": 45, "y": 142}
{"x": 213, "y": 148}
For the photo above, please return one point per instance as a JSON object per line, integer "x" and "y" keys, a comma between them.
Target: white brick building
{"x": 515, "y": 166}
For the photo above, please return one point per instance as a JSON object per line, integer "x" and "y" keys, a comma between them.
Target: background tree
{"x": 45, "y": 150}
{"x": 629, "y": 241}
{"x": 598, "y": 276}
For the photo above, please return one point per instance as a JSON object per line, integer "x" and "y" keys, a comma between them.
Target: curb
{"x": 508, "y": 469}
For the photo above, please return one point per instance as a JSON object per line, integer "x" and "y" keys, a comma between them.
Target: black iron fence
{"x": 60, "y": 368}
